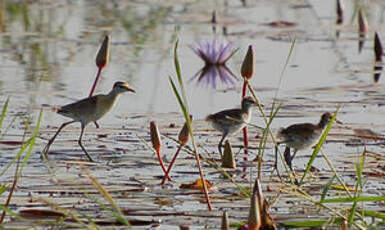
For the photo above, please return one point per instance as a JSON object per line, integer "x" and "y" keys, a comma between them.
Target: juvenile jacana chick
{"x": 301, "y": 136}
{"x": 231, "y": 121}
{"x": 89, "y": 110}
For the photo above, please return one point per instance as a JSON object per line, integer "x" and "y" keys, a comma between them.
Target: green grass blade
{"x": 178, "y": 97}
{"x": 184, "y": 106}
{"x": 359, "y": 170}
{"x": 308, "y": 223}
{"x": 358, "y": 185}
{"x": 179, "y": 74}
{"x": 2, "y": 189}
{"x": 9, "y": 212}
{"x": 352, "y": 213}
{"x": 372, "y": 214}
{"x": 284, "y": 68}
{"x": 318, "y": 146}
{"x": 33, "y": 140}
{"x": 265, "y": 133}
{"x": 354, "y": 199}
{"x": 3, "y": 113}
{"x": 326, "y": 189}
{"x": 24, "y": 146}
{"x": 346, "y": 189}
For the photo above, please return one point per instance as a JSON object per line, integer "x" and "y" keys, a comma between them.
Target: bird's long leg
{"x": 292, "y": 157}
{"x": 289, "y": 160}
{"x": 276, "y": 162}
{"x": 220, "y": 144}
{"x": 81, "y": 145}
{"x": 96, "y": 124}
{"x": 288, "y": 157}
{"x": 46, "y": 148}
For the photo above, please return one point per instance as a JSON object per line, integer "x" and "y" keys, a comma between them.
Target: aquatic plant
{"x": 157, "y": 145}
{"x": 182, "y": 101}
{"x": 247, "y": 70}
{"x": 183, "y": 138}
{"x": 215, "y": 55}
{"x": 101, "y": 61}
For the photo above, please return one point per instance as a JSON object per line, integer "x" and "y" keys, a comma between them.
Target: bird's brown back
{"x": 79, "y": 108}
{"x": 222, "y": 116}
{"x": 88, "y": 109}
{"x": 304, "y": 129}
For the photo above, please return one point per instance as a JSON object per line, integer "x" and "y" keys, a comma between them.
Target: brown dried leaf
{"x": 38, "y": 213}
{"x": 13, "y": 143}
{"x": 280, "y": 24}
{"x": 368, "y": 134}
{"x": 196, "y": 185}
{"x": 163, "y": 202}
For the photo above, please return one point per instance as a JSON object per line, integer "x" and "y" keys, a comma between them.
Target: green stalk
{"x": 184, "y": 107}
{"x": 3, "y": 113}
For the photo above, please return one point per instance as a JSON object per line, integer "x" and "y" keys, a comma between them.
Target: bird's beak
{"x": 339, "y": 122}
{"x": 130, "y": 90}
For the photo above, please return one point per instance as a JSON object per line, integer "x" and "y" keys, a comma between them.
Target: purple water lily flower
{"x": 215, "y": 56}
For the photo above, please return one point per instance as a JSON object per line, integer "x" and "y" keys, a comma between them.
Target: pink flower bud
{"x": 184, "y": 133}
{"x": 247, "y": 68}
{"x": 103, "y": 56}
{"x": 155, "y": 136}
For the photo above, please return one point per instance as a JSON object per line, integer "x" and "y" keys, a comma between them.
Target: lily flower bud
{"x": 155, "y": 136}
{"x": 103, "y": 56}
{"x": 184, "y": 133}
{"x": 247, "y": 68}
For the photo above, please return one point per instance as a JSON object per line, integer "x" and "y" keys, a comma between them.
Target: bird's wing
{"x": 78, "y": 108}
{"x": 303, "y": 130}
{"x": 226, "y": 116}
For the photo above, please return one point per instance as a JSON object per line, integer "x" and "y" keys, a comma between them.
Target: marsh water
{"x": 48, "y": 50}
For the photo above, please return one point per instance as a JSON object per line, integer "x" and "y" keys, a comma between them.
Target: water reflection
{"x": 363, "y": 28}
{"x": 208, "y": 75}
{"x": 378, "y": 53}
{"x": 340, "y": 16}
{"x": 215, "y": 55}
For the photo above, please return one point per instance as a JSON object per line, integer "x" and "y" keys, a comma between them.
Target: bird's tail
{"x": 280, "y": 134}
{"x": 209, "y": 117}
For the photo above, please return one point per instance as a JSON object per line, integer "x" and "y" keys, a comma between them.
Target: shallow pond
{"x": 48, "y": 51}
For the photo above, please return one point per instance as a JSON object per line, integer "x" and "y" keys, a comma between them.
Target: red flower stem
{"x": 245, "y": 140}
{"x": 162, "y": 164}
{"x": 245, "y": 136}
{"x": 244, "y": 88}
{"x": 171, "y": 164}
{"x": 15, "y": 179}
{"x": 96, "y": 81}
